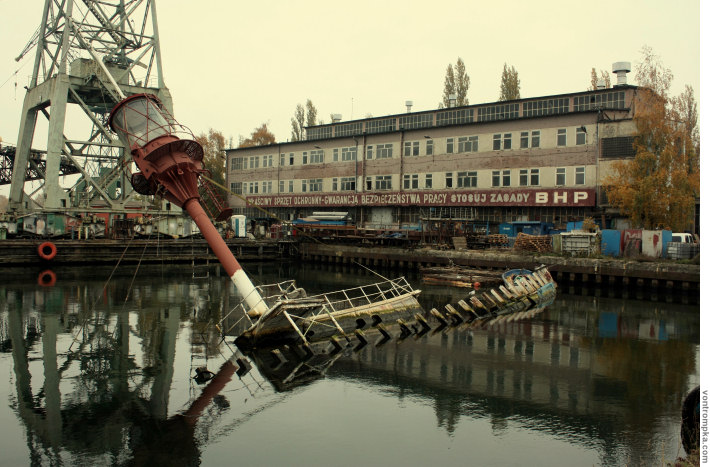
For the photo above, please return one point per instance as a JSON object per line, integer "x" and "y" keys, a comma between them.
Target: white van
{"x": 683, "y": 238}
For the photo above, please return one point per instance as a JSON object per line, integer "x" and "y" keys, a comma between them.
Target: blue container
{"x": 666, "y": 237}
{"x": 574, "y": 226}
{"x": 611, "y": 242}
{"x": 506, "y": 229}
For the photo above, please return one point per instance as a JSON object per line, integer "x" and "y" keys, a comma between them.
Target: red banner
{"x": 508, "y": 197}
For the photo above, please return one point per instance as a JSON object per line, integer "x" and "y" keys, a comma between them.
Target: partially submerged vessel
{"x": 455, "y": 275}
{"x": 170, "y": 165}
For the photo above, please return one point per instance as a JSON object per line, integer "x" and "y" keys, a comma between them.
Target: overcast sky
{"x": 233, "y": 65}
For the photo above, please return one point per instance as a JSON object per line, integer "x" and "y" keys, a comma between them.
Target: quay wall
{"x": 25, "y": 252}
{"x": 610, "y": 271}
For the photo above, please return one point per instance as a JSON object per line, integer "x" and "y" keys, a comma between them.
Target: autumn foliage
{"x": 261, "y": 136}
{"x": 659, "y": 187}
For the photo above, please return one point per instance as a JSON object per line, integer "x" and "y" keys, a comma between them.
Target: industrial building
{"x": 536, "y": 159}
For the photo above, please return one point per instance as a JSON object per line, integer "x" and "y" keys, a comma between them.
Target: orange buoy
{"x": 47, "y": 250}
{"x": 47, "y": 278}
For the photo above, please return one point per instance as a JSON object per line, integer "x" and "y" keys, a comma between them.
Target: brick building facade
{"x": 536, "y": 159}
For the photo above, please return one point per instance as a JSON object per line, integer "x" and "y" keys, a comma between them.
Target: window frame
{"x": 560, "y": 172}
{"x": 562, "y": 137}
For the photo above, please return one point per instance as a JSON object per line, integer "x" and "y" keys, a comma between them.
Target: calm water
{"x": 99, "y": 371}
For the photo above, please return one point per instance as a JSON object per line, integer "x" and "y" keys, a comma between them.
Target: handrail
{"x": 335, "y": 301}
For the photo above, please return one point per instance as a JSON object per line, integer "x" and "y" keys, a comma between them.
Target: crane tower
{"x": 89, "y": 55}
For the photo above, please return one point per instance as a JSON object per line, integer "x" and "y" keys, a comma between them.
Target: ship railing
{"x": 364, "y": 295}
{"x": 270, "y": 295}
{"x": 333, "y": 302}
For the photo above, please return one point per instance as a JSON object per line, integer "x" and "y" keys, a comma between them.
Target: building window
{"x": 579, "y": 175}
{"x": 411, "y": 148}
{"x": 335, "y": 155}
{"x": 449, "y": 145}
{"x": 317, "y": 156}
{"x": 506, "y": 177}
{"x": 529, "y": 177}
{"x": 253, "y": 188}
{"x": 524, "y": 139}
{"x": 335, "y": 183}
{"x": 468, "y": 144}
{"x": 383, "y": 182}
{"x": 428, "y": 181}
{"x": 291, "y": 159}
{"x": 497, "y": 142}
{"x": 305, "y": 157}
{"x": 562, "y": 137}
{"x": 348, "y": 154}
{"x": 501, "y": 178}
{"x": 266, "y": 187}
{"x": 236, "y": 188}
{"x": 304, "y": 185}
{"x": 282, "y": 186}
{"x": 369, "y": 152}
{"x": 535, "y": 141}
{"x": 524, "y": 180}
{"x": 237, "y": 163}
{"x": 411, "y": 181}
{"x": 268, "y": 160}
{"x": 383, "y": 151}
{"x": 368, "y": 183}
{"x": 282, "y": 159}
{"x": 507, "y": 140}
{"x": 429, "y": 147}
{"x": 560, "y": 176}
{"x": 315, "y": 184}
{"x": 290, "y": 186}
{"x": 534, "y": 177}
{"x": 449, "y": 179}
{"x": 254, "y": 162}
{"x": 347, "y": 183}
{"x": 581, "y": 136}
{"x": 466, "y": 179}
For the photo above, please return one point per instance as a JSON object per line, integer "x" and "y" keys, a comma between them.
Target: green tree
{"x": 311, "y": 113}
{"x": 456, "y": 83}
{"x": 302, "y": 118}
{"x": 462, "y": 83}
{"x": 261, "y": 136}
{"x": 659, "y": 187}
{"x": 509, "y": 84}
{"x": 298, "y": 123}
{"x": 596, "y": 78}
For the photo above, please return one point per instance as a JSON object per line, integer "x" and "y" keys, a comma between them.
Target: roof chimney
{"x": 621, "y": 68}
{"x": 409, "y": 105}
{"x": 601, "y": 84}
{"x": 452, "y": 100}
{"x": 337, "y": 118}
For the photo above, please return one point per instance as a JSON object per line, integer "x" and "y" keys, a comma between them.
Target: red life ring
{"x": 47, "y": 278}
{"x": 47, "y": 250}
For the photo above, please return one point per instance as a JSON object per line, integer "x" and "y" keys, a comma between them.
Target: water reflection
{"x": 104, "y": 372}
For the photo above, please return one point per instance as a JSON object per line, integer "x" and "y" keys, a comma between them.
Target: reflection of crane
{"x": 88, "y": 54}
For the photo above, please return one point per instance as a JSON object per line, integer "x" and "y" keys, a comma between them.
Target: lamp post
{"x": 169, "y": 162}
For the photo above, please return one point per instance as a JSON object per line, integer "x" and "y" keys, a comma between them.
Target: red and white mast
{"x": 170, "y": 162}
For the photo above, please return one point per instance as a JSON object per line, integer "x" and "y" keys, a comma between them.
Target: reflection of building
{"x": 556, "y": 374}
{"x": 536, "y": 159}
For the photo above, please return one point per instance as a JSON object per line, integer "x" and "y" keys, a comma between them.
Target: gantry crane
{"x": 88, "y": 54}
